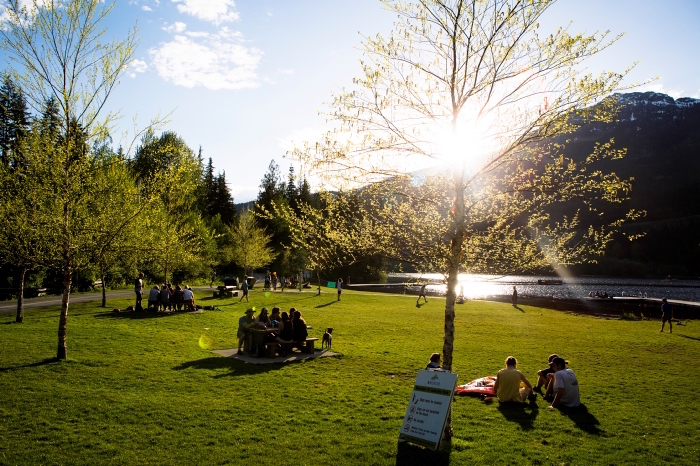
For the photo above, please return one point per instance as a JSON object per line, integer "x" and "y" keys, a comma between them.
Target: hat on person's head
{"x": 551, "y": 358}
{"x": 559, "y": 362}
{"x": 263, "y": 310}
{"x": 250, "y": 310}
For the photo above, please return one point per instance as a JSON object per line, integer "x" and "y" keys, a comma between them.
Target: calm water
{"x": 482, "y": 286}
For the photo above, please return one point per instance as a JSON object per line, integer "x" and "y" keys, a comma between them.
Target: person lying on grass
{"x": 545, "y": 377}
{"x": 565, "y": 386}
{"x": 508, "y": 381}
{"x": 245, "y": 323}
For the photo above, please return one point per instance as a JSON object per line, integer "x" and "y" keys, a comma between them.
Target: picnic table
{"x": 307, "y": 346}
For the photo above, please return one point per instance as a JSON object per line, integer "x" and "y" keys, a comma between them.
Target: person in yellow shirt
{"x": 509, "y": 381}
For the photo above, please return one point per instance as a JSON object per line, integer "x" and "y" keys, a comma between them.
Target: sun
{"x": 467, "y": 145}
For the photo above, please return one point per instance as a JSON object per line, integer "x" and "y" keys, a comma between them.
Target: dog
{"x": 327, "y": 338}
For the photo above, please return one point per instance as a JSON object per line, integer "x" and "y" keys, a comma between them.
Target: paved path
{"x": 7, "y": 307}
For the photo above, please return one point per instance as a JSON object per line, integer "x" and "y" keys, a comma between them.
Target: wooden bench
{"x": 306, "y": 346}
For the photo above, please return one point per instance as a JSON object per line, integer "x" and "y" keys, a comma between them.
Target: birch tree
{"x": 472, "y": 94}
{"x": 251, "y": 249}
{"x": 58, "y": 52}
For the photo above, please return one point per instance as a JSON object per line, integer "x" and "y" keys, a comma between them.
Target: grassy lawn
{"x": 145, "y": 389}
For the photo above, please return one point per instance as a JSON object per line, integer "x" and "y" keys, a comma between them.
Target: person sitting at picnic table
{"x": 263, "y": 318}
{"x": 566, "y": 391}
{"x": 188, "y": 298}
{"x": 434, "y": 362}
{"x": 285, "y": 333}
{"x": 275, "y": 317}
{"x": 178, "y": 298}
{"x": 546, "y": 376}
{"x": 508, "y": 381}
{"x": 300, "y": 333}
{"x": 153, "y": 298}
{"x": 164, "y": 297}
{"x": 245, "y": 324}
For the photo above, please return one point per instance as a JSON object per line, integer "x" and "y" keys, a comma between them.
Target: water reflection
{"x": 483, "y": 286}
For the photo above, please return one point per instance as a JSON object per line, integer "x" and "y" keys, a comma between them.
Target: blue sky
{"x": 244, "y": 78}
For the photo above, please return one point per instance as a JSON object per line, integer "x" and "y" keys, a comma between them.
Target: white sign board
{"x": 427, "y": 411}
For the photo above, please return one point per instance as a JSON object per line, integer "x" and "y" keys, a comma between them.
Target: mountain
{"x": 662, "y": 137}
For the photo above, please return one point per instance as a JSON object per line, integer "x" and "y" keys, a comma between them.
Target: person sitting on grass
{"x": 508, "y": 382}
{"x": 300, "y": 332}
{"x": 153, "y": 298}
{"x": 178, "y": 298}
{"x": 164, "y": 297}
{"x": 188, "y": 298}
{"x": 245, "y": 323}
{"x": 434, "y": 362}
{"x": 565, "y": 386}
{"x": 545, "y": 376}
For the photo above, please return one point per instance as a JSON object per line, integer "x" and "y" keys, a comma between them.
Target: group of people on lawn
{"x": 561, "y": 385}
{"x": 165, "y": 297}
{"x": 289, "y": 330}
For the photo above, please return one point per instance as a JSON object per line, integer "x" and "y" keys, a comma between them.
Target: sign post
{"x": 426, "y": 414}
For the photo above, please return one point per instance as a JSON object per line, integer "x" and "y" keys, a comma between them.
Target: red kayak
{"x": 482, "y": 386}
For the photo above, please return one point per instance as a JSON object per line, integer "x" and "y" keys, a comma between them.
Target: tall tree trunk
{"x": 452, "y": 281}
{"x": 62, "y": 352}
{"x": 20, "y": 296}
{"x": 104, "y": 289}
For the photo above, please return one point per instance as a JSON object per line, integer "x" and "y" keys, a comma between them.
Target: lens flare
{"x": 205, "y": 341}
{"x": 267, "y": 294}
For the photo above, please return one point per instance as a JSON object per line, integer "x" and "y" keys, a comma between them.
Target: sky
{"x": 244, "y": 79}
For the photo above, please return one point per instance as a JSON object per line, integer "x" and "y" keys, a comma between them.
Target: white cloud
{"x": 659, "y": 87}
{"x": 137, "y": 66}
{"x": 177, "y": 27}
{"x": 285, "y": 70}
{"x": 146, "y": 8}
{"x": 29, "y": 4}
{"x": 214, "y": 11}
{"x": 216, "y": 61}
{"x": 198, "y": 34}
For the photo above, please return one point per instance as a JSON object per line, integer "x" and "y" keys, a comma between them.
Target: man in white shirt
{"x": 188, "y": 298}
{"x": 565, "y": 386}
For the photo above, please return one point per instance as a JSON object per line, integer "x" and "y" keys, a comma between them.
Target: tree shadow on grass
{"x": 583, "y": 419}
{"x": 325, "y": 305}
{"x": 236, "y": 368}
{"x": 689, "y": 337}
{"x": 136, "y": 315}
{"x": 34, "y": 364}
{"x": 409, "y": 454}
{"x": 522, "y": 413}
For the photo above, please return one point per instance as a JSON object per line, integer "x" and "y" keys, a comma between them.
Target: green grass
{"x": 141, "y": 389}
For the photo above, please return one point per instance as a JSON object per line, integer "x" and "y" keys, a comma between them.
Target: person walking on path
{"x": 515, "y": 297}
{"x": 421, "y": 293}
{"x": 244, "y": 289}
{"x": 339, "y": 285}
{"x": 213, "y": 277}
{"x": 666, "y": 315}
{"x": 138, "y": 288}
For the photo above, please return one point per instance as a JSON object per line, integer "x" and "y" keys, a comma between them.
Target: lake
{"x": 483, "y": 286}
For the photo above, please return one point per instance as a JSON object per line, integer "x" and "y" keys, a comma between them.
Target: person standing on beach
{"x": 666, "y": 315}
{"x": 515, "y": 297}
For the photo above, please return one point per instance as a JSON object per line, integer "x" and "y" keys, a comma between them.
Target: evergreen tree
{"x": 291, "y": 190}
{"x": 223, "y": 205}
{"x": 14, "y": 119}
{"x": 208, "y": 197}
